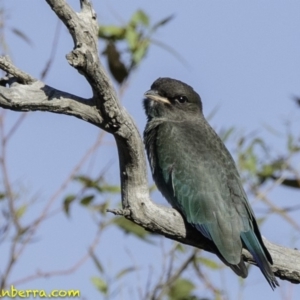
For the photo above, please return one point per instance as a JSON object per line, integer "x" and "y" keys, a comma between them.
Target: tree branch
{"x": 9, "y": 68}
{"x": 35, "y": 95}
{"x": 105, "y": 111}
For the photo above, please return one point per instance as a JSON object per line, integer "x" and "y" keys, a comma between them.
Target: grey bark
{"x": 20, "y": 92}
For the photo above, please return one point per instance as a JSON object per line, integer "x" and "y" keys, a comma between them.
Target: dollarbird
{"x": 195, "y": 172}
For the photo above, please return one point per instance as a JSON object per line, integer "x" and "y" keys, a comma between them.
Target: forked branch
{"x": 20, "y": 92}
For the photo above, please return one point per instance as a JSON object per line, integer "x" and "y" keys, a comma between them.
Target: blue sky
{"x": 243, "y": 57}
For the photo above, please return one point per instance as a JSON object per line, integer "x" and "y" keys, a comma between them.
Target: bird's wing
{"x": 201, "y": 180}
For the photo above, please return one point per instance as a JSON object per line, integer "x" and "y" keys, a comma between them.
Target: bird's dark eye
{"x": 181, "y": 99}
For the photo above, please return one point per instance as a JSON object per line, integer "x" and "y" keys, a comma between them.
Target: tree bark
{"x": 20, "y": 92}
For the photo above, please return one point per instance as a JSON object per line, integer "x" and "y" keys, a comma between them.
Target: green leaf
{"x": 162, "y": 23}
{"x": 139, "y": 17}
{"x": 140, "y": 51}
{"x": 97, "y": 262}
{"x": 132, "y": 37}
{"x": 181, "y": 248}
{"x": 130, "y": 227}
{"x": 267, "y": 171}
{"x": 112, "y": 189}
{"x": 100, "y": 285}
{"x": 99, "y": 187}
{"x": 86, "y": 181}
{"x": 87, "y": 200}
{"x": 209, "y": 263}
{"x": 21, "y": 211}
{"x": 102, "y": 208}
{"x": 181, "y": 289}
{"x": 248, "y": 161}
{"x": 125, "y": 271}
{"x": 89, "y": 182}
{"x": 22, "y": 35}
{"x": 111, "y": 32}
{"x": 67, "y": 202}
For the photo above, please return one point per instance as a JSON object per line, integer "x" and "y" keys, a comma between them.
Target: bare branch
{"x": 83, "y": 28}
{"x": 164, "y": 286}
{"x": 206, "y": 281}
{"x": 8, "y": 67}
{"x": 38, "y": 96}
{"x": 18, "y": 248}
{"x": 6, "y": 180}
{"x": 42, "y": 274}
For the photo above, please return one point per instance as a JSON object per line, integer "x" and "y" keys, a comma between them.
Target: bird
{"x": 197, "y": 175}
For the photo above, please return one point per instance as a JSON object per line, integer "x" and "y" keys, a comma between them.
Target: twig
{"x": 7, "y": 66}
{"x": 70, "y": 270}
{"x": 6, "y": 180}
{"x": 53, "y": 51}
{"x": 163, "y": 286}
{"x": 15, "y": 127}
{"x": 206, "y": 281}
{"x": 52, "y": 199}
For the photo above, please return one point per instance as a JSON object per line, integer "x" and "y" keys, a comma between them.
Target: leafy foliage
{"x": 131, "y": 228}
{"x": 260, "y": 169}
{"x": 135, "y": 37}
{"x": 100, "y": 285}
{"x": 87, "y": 196}
{"x": 182, "y": 289}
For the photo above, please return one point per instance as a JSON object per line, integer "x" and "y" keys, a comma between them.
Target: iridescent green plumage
{"x": 197, "y": 175}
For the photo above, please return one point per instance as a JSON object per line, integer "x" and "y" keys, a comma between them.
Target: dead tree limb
{"x": 20, "y": 92}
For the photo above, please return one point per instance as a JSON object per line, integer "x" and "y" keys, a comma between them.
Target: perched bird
{"x": 197, "y": 175}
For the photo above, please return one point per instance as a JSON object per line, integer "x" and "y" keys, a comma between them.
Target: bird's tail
{"x": 240, "y": 269}
{"x": 254, "y": 247}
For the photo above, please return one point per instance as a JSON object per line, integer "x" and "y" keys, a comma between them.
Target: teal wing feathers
{"x": 203, "y": 191}
{"x": 202, "y": 182}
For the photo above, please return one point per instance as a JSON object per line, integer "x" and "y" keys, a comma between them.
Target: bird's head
{"x": 172, "y": 99}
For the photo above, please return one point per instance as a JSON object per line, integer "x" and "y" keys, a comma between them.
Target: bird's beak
{"x": 153, "y": 95}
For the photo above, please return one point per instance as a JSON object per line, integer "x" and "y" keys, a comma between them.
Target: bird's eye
{"x": 181, "y": 99}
